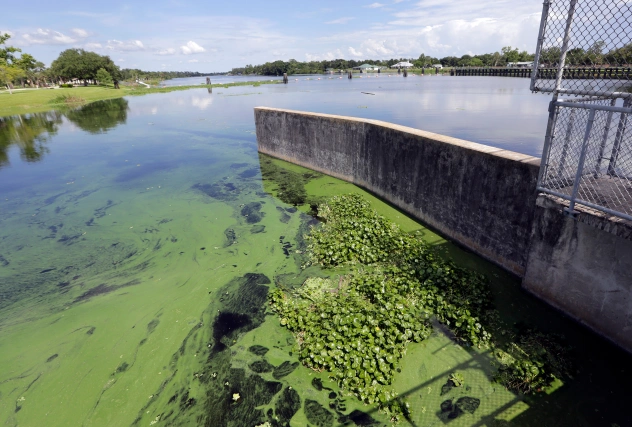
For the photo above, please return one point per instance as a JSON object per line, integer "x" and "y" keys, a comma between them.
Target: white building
{"x": 520, "y": 64}
{"x": 403, "y": 65}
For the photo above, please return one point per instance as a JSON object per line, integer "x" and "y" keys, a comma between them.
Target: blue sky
{"x": 216, "y": 36}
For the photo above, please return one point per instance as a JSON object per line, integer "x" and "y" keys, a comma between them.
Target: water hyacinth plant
{"x": 358, "y": 326}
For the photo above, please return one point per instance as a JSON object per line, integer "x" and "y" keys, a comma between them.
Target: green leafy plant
{"x": 358, "y": 326}
{"x": 457, "y": 379}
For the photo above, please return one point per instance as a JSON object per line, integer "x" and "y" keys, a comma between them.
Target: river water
{"x": 133, "y": 272}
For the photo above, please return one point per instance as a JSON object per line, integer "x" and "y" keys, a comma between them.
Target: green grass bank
{"x": 45, "y": 99}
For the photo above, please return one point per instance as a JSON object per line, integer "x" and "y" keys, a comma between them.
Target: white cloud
{"x": 354, "y": 52}
{"x": 79, "y": 32}
{"x": 46, "y": 36}
{"x": 336, "y": 54}
{"x": 191, "y": 47}
{"x": 340, "y": 20}
{"x": 192, "y": 60}
{"x": 93, "y": 46}
{"x": 168, "y": 51}
{"x": 130, "y": 45}
{"x": 375, "y": 5}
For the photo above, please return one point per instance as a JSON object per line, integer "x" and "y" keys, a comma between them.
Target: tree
{"x": 510, "y": 54}
{"x": 83, "y": 65}
{"x": 29, "y": 66}
{"x": 103, "y": 77}
{"x": 551, "y": 56}
{"x": 9, "y": 72}
{"x": 7, "y": 54}
{"x": 576, "y": 56}
{"x": 594, "y": 54}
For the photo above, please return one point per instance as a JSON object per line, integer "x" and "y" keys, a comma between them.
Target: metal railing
{"x": 587, "y": 156}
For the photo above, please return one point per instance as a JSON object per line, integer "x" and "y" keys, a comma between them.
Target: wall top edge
{"x": 473, "y": 146}
{"x": 616, "y": 226}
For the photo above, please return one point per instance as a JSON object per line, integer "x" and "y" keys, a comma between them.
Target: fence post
{"x": 604, "y": 140}
{"x": 567, "y": 39}
{"x": 538, "y": 48}
{"x": 548, "y": 141}
{"x": 623, "y": 121}
{"x": 580, "y": 167}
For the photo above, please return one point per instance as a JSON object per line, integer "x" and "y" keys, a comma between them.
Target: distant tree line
{"x": 72, "y": 65}
{"x": 135, "y": 73}
{"x": 596, "y": 55}
{"x": 277, "y": 68}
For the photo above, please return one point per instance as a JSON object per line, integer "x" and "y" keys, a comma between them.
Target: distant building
{"x": 520, "y": 64}
{"x": 403, "y": 65}
{"x": 367, "y": 67}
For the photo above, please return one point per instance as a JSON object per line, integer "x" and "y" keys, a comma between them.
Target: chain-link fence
{"x": 590, "y": 158}
{"x": 587, "y": 156}
{"x": 584, "y": 48}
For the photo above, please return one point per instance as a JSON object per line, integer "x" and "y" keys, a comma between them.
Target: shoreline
{"x": 30, "y": 100}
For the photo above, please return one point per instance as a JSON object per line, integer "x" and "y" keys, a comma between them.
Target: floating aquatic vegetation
{"x": 358, "y": 327}
{"x": 457, "y": 379}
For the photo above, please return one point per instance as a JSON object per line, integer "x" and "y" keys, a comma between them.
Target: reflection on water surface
{"x": 136, "y": 256}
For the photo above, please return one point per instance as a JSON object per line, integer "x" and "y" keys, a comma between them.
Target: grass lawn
{"x": 38, "y": 100}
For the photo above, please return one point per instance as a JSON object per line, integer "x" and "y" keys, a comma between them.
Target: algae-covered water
{"x": 139, "y": 240}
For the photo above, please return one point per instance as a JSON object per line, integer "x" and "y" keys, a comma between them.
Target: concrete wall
{"x": 583, "y": 266}
{"x": 480, "y": 196}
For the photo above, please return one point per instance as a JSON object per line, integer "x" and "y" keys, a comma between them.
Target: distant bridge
{"x": 579, "y": 73}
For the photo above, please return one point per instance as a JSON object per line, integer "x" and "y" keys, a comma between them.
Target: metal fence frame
{"x": 563, "y": 133}
{"x": 543, "y": 36}
{"x": 621, "y": 128}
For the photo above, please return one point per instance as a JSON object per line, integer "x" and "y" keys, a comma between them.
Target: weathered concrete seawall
{"x": 583, "y": 266}
{"x": 482, "y": 197}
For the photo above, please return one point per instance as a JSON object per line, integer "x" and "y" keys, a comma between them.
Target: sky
{"x": 213, "y": 36}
